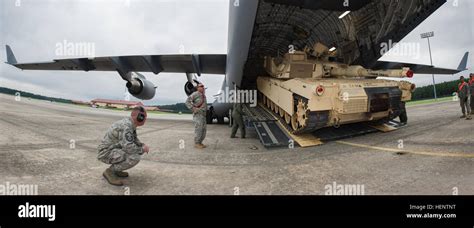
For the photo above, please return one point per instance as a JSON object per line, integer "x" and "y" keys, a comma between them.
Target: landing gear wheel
{"x": 210, "y": 115}
{"x": 209, "y": 118}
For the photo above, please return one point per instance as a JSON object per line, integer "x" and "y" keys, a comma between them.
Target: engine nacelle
{"x": 190, "y": 87}
{"x": 141, "y": 88}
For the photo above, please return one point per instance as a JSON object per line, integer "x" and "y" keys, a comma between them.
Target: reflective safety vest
{"x": 461, "y": 85}
{"x": 203, "y": 98}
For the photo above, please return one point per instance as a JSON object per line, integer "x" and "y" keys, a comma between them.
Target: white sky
{"x": 135, "y": 27}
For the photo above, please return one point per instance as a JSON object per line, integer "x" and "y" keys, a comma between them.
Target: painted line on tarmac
{"x": 441, "y": 154}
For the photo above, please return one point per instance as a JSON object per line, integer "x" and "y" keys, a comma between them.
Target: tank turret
{"x": 299, "y": 65}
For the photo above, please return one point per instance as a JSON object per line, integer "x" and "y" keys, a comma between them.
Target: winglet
{"x": 10, "y": 56}
{"x": 463, "y": 63}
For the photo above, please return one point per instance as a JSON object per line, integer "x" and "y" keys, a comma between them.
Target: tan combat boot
{"x": 199, "y": 146}
{"x": 121, "y": 174}
{"x": 113, "y": 179}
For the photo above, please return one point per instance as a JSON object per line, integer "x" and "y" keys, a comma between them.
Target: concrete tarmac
{"x": 53, "y": 145}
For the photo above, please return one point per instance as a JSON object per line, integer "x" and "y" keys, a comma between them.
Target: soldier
{"x": 464, "y": 94}
{"x": 471, "y": 86}
{"x": 238, "y": 120}
{"x": 198, "y": 104}
{"x": 403, "y": 114}
{"x": 407, "y": 90}
{"x": 121, "y": 148}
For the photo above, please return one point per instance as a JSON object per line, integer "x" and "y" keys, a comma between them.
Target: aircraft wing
{"x": 185, "y": 63}
{"x": 423, "y": 69}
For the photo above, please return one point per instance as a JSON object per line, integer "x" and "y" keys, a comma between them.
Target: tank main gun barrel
{"x": 298, "y": 65}
{"x": 359, "y": 71}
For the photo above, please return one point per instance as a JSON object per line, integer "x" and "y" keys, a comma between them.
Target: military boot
{"x": 199, "y": 146}
{"x": 121, "y": 174}
{"x": 112, "y": 178}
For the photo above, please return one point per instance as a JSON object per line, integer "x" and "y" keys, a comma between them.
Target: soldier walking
{"x": 238, "y": 120}
{"x": 464, "y": 97}
{"x": 198, "y": 104}
{"x": 121, "y": 148}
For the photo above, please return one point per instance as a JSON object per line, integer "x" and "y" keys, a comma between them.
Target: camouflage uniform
{"x": 120, "y": 146}
{"x": 464, "y": 95}
{"x": 198, "y": 100}
{"x": 238, "y": 120}
{"x": 471, "y": 87}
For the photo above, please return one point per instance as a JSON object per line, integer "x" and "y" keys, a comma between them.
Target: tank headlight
{"x": 320, "y": 90}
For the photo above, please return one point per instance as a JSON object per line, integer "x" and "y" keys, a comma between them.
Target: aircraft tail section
{"x": 463, "y": 64}
{"x": 10, "y": 56}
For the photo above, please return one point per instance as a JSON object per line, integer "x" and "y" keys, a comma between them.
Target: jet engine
{"x": 140, "y": 88}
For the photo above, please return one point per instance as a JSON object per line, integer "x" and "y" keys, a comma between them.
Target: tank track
{"x": 311, "y": 122}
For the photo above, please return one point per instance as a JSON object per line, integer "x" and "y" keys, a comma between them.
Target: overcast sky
{"x": 34, "y": 28}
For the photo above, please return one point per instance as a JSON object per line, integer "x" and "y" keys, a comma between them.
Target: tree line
{"x": 443, "y": 89}
{"x": 22, "y": 94}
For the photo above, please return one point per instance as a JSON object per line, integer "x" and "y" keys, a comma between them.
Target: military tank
{"x": 308, "y": 91}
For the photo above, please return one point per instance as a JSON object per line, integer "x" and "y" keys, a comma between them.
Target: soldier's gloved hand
{"x": 194, "y": 110}
{"x": 146, "y": 149}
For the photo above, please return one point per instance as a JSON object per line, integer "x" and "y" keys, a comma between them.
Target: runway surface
{"x": 54, "y": 146}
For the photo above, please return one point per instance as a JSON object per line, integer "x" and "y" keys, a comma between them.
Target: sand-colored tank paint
{"x": 309, "y": 88}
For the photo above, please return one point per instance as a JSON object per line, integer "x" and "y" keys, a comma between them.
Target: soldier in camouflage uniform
{"x": 464, "y": 94}
{"x": 471, "y": 88}
{"x": 198, "y": 104}
{"x": 238, "y": 120}
{"x": 121, "y": 148}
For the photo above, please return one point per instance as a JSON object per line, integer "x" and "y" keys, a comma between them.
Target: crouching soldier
{"x": 121, "y": 148}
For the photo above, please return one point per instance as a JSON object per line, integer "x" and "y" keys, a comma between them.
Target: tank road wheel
{"x": 264, "y": 100}
{"x": 287, "y": 118}
{"x": 282, "y": 112}
{"x": 272, "y": 106}
{"x": 268, "y": 103}
{"x": 302, "y": 113}
{"x": 294, "y": 122}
